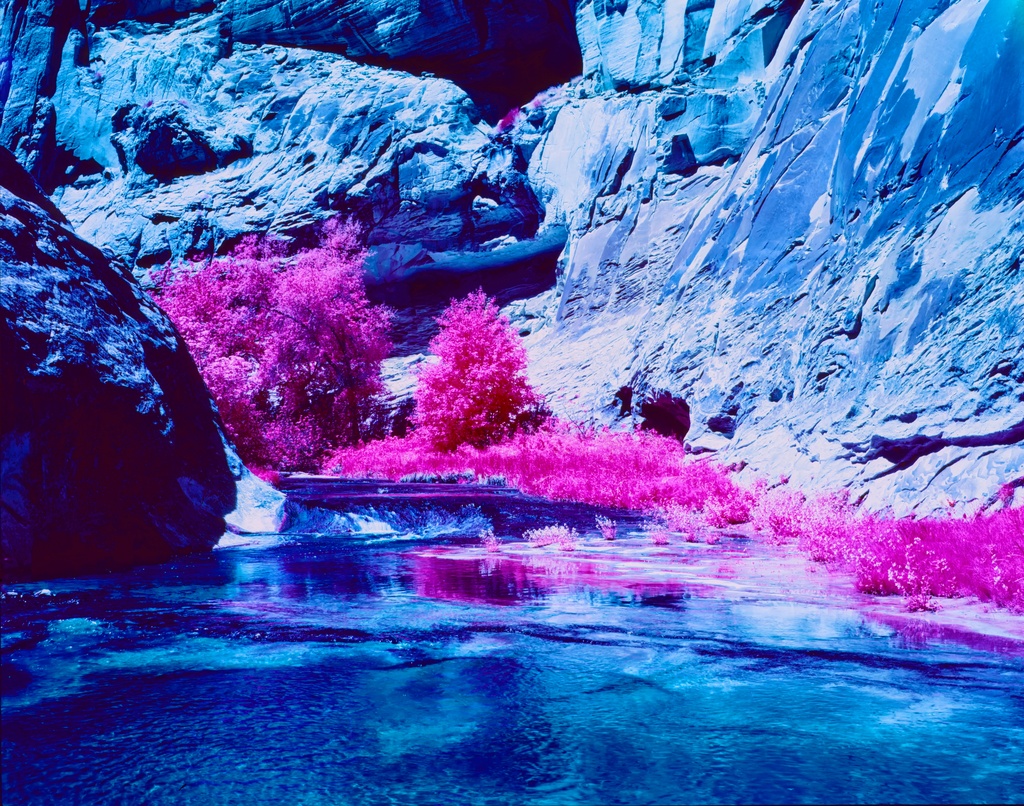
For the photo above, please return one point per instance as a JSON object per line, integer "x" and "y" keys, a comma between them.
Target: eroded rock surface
{"x": 828, "y": 267}
{"x": 172, "y": 129}
{"x": 501, "y": 53}
{"x": 805, "y": 218}
{"x": 112, "y": 454}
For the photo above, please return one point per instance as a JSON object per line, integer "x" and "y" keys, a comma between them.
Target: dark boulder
{"x": 624, "y": 397}
{"x": 112, "y": 451}
{"x": 165, "y": 143}
{"x": 666, "y": 415}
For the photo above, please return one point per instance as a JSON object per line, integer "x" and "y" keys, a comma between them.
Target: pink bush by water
{"x": 559, "y": 535}
{"x": 918, "y": 558}
{"x": 981, "y": 556}
{"x": 477, "y": 392}
{"x": 289, "y": 347}
{"x": 638, "y": 471}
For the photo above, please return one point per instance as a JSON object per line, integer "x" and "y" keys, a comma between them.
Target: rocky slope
{"x": 806, "y": 217}
{"x": 112, "y": 455}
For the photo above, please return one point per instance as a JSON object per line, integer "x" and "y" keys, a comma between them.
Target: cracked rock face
{"x": 112, "y": 455}
{"x": 837, "y": 291}
{"x": 178, "y": 145}
{"x": 501, "y": 53}
{"x": 805, "y": 218}
{"x": 135, "y": 96}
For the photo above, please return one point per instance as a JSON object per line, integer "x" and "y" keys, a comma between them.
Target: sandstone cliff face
{"x": 169, "y": 139}
{"x": 501, "y": 53}
{"x": 111, "y": 452}
{"x": 815, "y": 236}
{"x": 806, "y": 217}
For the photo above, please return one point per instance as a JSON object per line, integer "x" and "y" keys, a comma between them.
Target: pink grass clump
{"x": 560, "y": 534}
{"x": 637, "y": 471}
{"x": 491, "y": 543}
{"x": 690, "y": 523}
{"x": 981, "y": 556}
{"x": 658, "y": 533}
{"x": 607, "y": 527}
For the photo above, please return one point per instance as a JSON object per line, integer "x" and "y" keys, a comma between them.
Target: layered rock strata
{"x": 803, "y": 217}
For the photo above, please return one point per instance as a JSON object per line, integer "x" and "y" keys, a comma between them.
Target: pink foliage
{"x": 982, "y": 556}
{"x": 639, "y": 471}
{"x": 510, "y": 120}
{"x": 560, "y": 535}
{"x": 289, "y": 348}
{"x": 607, "y": 527}
{"x": 658, "y": 533}
{"x": 477, "y": 392}
{"x": 490, "y": 541}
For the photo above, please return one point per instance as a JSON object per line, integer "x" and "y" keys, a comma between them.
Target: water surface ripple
{"x": 382, "y": 668}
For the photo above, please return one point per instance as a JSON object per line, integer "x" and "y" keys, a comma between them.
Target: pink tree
{"x": 289, "y": 348}
{"x": 477, "y": 393}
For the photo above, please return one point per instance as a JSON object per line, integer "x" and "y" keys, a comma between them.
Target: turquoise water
{"x": 382, "y": 668}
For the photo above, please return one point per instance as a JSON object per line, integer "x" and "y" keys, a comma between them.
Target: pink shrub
{"x": 688, "y": 522}
{"x": 779, "y": 514}
{"x": 509, "y": 120}
{"x": 921, "y": 602}
{"x": 622, "y": 470}
{"x": 658, "y": 533}
{"x": 981, "y": 556}
{"x": 289, "y": 348}
{"x": 477, "y": 393}
{"x": 560, "y": 535}
{"x": 606, "y": 526}
{"x": 491, "y": 543}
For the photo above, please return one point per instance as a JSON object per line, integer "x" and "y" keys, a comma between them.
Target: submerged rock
{"x": 112, "y": 452}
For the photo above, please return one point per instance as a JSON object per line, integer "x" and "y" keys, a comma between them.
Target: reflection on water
{"x": 359, "y": 669}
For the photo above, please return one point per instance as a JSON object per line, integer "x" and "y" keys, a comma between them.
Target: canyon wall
{"x": 810, "y": 225}
{"x": 805, "y": 217}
